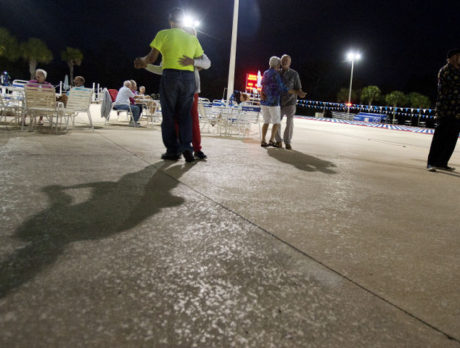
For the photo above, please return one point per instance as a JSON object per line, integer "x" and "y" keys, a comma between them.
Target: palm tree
{"x": 419, "y": 101}
{"x": 370, "y": 94}
{"x": 72, "y": 56}
{"x": 35, "y": 51}
{"x": 342, "y": 96}
{"x": 9, "y": 47}
{"x": 395, "y": 98}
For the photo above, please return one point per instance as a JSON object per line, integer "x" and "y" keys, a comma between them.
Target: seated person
{"x": 238, "y": 97}
{"x": 39, "y": 81}
{"x": 147, "y": 100}
{"x": 78, "y": 82}
{"x": 134, "y": 101}
{"x": 142, "y": 91}
{"x": 123, "y": 103}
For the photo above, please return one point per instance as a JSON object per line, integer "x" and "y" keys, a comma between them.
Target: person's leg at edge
{"x": 289, "y": 111}
{"x": 450, "y": 142}
{"x": 184, "y": 109}
{"x": 267, "y": 119}
{"x": 275, "y": 129}
{"x": 264, "y": 133}
{"x": 275, "y": 113}
{"x": 437, "y": 144}
{"x": 196, "y": 134}
{"x": 136, "y": 113}
{"x": 279, "y": 140}
{"x": 168, "y": 98}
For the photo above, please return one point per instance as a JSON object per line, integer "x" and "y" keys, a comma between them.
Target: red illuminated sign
{"x": 251, "y": 82}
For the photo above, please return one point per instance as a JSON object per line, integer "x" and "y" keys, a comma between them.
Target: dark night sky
{"x": 403, "y": 43}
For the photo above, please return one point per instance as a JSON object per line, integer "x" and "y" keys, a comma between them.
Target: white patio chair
{"x": 208, "y": 120}
{"x": 10, "y": 107}
{"x": 79, "y": 101}
{"x": 227, "y": 117}
{"x": 150, "y": 110}
{"x": 41, "y": 101}
{"x": 248, "y": 115}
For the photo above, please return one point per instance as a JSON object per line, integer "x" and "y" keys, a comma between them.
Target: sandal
{"x": 263, "y": 144}
{"x": 272, "y": 143}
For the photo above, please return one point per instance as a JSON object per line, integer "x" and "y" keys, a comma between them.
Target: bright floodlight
{"x": 187, "y": 21}
{"x": 352, "y": 56}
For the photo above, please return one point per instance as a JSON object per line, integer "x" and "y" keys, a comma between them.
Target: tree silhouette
{"x": 72, "y": 56}
{"x": 342, "y": 96}
{"x": 395, "y": 98}
{"x": 417, "y": 100}
{"x": 9, "y": 47}
{"x": 370, "y": 94}
{"x": 35, "y": 51}
{"x": 420, "y": 102}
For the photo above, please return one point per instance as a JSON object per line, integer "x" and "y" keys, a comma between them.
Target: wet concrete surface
{"x": 344, "y": 241}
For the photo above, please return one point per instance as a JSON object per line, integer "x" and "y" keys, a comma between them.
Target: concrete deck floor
{"x": 344, "y": 241}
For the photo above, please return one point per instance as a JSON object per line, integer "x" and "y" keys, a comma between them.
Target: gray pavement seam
{"x": 380, "y": 297}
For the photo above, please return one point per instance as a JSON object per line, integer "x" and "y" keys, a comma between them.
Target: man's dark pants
{"x": 444, "y": 140}
{"x": 176, "y": 97}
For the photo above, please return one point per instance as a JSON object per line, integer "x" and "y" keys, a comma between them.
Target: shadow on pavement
{"x": 302, "y": 161}
{"x": 113, "y": 207}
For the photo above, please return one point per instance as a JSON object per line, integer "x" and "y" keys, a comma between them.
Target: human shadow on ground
{"x": 113, "y": 207}
{"x": 302, "y": 161}
{"x": 454, "y": 174}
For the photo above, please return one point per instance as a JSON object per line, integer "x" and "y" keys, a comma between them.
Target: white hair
{"x": 42, "y": 71}
{"x": 127, "y": 83}
{"x": 274, "y": 61}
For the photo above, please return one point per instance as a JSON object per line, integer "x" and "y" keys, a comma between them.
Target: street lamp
{"x": 231, "y": 70}
{"x": 352, "y": 57}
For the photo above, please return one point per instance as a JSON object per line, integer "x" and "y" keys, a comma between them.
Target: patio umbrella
{"x": 66, "y": 82}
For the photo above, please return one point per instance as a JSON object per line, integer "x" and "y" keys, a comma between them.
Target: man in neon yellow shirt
{"x": 177, "y": 84}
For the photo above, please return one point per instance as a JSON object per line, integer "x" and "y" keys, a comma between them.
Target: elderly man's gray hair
{"x": 42, "y": 71}
{"x": 127, "y": 83}
{"x": 274, "y": 61}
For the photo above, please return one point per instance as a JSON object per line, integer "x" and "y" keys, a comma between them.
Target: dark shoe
{"x": 447, "y": 168}
{"x": 288, "y": 147}
{"x": 188, "y": 155}
{"x": 430, "y": 168}
{"x": 170, "y": 156}
{"x": 279, "y": 144}
{"x": 200, "y": 155}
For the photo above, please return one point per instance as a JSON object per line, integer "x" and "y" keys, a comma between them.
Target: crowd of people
{"x": 182, "y": 59}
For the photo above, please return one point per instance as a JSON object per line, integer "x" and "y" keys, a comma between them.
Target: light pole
{"x": 352, "y": 56}
{"x": 231, "y": 70}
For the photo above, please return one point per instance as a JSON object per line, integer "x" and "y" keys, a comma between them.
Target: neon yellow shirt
{"x": 173, "y": 44}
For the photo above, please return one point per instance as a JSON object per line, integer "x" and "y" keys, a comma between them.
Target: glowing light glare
{"x": 352, "y": 56}
{"x": 189, "y": 21}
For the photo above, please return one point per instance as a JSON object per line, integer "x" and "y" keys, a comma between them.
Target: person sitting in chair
{"x": 122, "y": 102}
{"x": 39, "y": 81}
